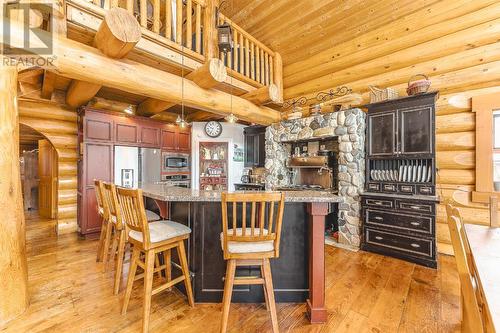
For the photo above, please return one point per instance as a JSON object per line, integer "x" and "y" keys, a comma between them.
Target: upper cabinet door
{"x": 184, "y": 141}
{"x": 168, "y": 139}
{"x": 127, "y": 132}
{"x": 150, "y": 136}
{"x": 250, "y": 150}
{"x": 382, "y": 130}
{"x": 416, "y": 131}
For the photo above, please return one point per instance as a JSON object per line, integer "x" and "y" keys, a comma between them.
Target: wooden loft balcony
{"x": 178, "y": 43}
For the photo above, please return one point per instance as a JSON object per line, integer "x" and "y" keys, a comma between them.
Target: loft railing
{"x": 250, "y": 59}
{"x": 184, "y": 25}
{"x": 179, "y": 21}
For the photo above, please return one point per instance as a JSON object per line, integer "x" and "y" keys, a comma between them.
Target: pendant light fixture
{"x": 180, "y": 119}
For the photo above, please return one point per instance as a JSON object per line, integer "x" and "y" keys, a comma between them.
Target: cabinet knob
{"x": 379, "y": 218}
{"x": 415, "y": 245}
{"x": 378, "y": 238}
{"x": 415, "y": 223}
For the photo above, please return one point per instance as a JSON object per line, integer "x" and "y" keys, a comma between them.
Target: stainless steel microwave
{"x": 175, "y": 162}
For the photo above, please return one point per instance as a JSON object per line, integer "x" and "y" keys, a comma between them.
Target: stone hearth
{"x": 349, "y": 127}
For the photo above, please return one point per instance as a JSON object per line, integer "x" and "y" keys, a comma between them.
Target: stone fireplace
{"x": 349, "y": 127}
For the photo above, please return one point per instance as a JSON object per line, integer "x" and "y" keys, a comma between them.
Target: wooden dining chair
{"x": 471, "y": 313}
{"x": 104, "y": 215}
{"x": 251, "y": 242}
{"x": 151, "y": 239}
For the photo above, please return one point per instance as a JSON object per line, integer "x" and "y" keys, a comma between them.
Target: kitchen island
{"x": 299, "y": 272}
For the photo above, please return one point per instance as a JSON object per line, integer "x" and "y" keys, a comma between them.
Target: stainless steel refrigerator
{"x": 135, "y": 165}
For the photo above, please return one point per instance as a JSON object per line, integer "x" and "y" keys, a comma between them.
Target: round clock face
{"x": 213, "y": 129}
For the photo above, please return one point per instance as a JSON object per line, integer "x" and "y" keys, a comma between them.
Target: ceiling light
{"x": 129, "y": 109}
{"x": 231, "y": 118}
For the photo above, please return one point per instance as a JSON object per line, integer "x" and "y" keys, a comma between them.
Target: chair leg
{"x": 131, "y": 275}
{"x": 228, "y": 291}
{"x": 168, "y": 263}
{"x": 270, "y": 294}
{"x": 157, "y": 264}
{"x": 148, "y": 288}
{"x": 100, "y": 246}
{"x": 185, "y": 271}
{"x": 119, "y": 262}
{"x": 114, "y": 247}
{"x": 107, "y": 239}
{"x": 264, "y": 287}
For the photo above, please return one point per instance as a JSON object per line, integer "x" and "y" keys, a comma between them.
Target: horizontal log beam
{"x": 202, "y": 116}
{"x": 111, "y": 105}
{"x": 82, "y": 62}
{"x": 207, "y": 76}
{"x": 263, "y": 95}
{"x": 117, "y": 35}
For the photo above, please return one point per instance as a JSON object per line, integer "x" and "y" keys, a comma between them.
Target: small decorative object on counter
{"x": 315, "y": 109}
{"x": 382, "y": 94}
{"x": 419, "y": 86}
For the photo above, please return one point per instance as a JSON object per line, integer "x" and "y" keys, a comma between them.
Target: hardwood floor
{"x": 70, "y": 292}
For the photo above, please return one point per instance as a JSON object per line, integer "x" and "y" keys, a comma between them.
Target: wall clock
{"x": 213, "y": 129}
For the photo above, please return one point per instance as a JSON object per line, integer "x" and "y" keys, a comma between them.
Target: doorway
{"x": 38, "y": 159}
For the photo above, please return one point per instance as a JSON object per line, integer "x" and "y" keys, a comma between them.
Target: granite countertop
{"x": 169, "y": 193}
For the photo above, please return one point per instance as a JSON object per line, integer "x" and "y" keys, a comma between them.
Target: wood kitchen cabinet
{"x": 405, "y": 129}
{"x": 255, "y": 146}
{"x": 99, "y": 132}
{"x": 174, "y": 138}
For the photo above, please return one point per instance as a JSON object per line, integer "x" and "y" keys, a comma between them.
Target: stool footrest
{"x": 168, "y": 285}
{"x": 157, "y": 269}
{"x": 242, "y": 280}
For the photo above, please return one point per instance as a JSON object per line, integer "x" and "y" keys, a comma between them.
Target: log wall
{"x": 59, "y": 125}
{"x": 456, "y": 43}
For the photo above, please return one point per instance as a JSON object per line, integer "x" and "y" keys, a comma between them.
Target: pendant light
{"x": 181, "y": 122}
{"x": 226, "y": 45}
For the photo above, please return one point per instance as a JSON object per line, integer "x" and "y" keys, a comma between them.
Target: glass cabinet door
{"x": 416, "y": 131}
{"x": 382, "y": 132}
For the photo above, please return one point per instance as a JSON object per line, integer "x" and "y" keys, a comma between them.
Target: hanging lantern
{"x": 231, "y": 118}
{"x": 225, "y": 37}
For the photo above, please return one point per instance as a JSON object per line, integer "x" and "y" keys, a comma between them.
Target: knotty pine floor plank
{"x": 365, "y": 292}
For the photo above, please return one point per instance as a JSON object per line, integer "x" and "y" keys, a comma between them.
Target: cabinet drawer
{"x": 398, "y": 243}
{"x": 390, "y": 188}
{"x": 416, "y": 207}
{"x": 386, "y": 203}
{"x": 400, "y": 222}
{"x": 425, "y": 190}
{"x": 406, "y": 189}
{"x": 374, "y": 187}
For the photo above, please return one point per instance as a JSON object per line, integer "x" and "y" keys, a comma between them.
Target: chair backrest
{"x": 132, "y": 209}
{"x": 466, "y": 274}
{"x": 454, "y": 211}
{"x": 264, "y": 223}
{"x": 111, "y": 200}
{"x": 103, "y": 211}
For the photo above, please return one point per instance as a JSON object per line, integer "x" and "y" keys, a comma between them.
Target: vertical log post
{"x": 210, "y": 48}
{"x": 278, "y": 75}
{"x": 13, "y": 265}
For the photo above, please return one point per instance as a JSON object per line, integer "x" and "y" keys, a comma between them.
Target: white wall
{"x": 233, "y": 135}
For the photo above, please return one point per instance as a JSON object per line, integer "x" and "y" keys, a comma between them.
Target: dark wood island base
{"x": 298, "y": 274}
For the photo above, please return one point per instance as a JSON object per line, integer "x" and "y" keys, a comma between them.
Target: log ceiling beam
{"x": 48, "y": 84}
{"x": 85, "y": 63}
{"x": 117, "y": 35}
{"x": 169, "y": 117}
{"x": 202, "y": 116}
{"x": 207, "y": 76}
{"x": 263, "y": 95}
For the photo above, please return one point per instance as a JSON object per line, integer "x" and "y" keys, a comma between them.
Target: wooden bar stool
{"x": 116, "y": 231}
{"x": 251, "y": 244}
{"x": 151, "y": 239}
{"x": 104, "y": 214}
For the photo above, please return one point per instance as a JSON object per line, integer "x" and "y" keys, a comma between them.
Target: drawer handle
{"x": 415, "y": 245}
{"x": 378, "y": 203}
{"x": 378, "y": 238}
{"x": 415, "y": 207}
{"x": 415, "y": 223}
{"x": 425, "y": 189}
{"x": 379, "y": 218}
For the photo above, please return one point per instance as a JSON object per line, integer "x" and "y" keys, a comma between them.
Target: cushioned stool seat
{"x": 161, "y": 230}
{"x": 247, "y": 247}
{"x": 152, "y": 216}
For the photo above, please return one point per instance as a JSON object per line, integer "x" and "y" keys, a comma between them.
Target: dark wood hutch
{"x": 398, "y": 205}
{"x": 98, "y": 133}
